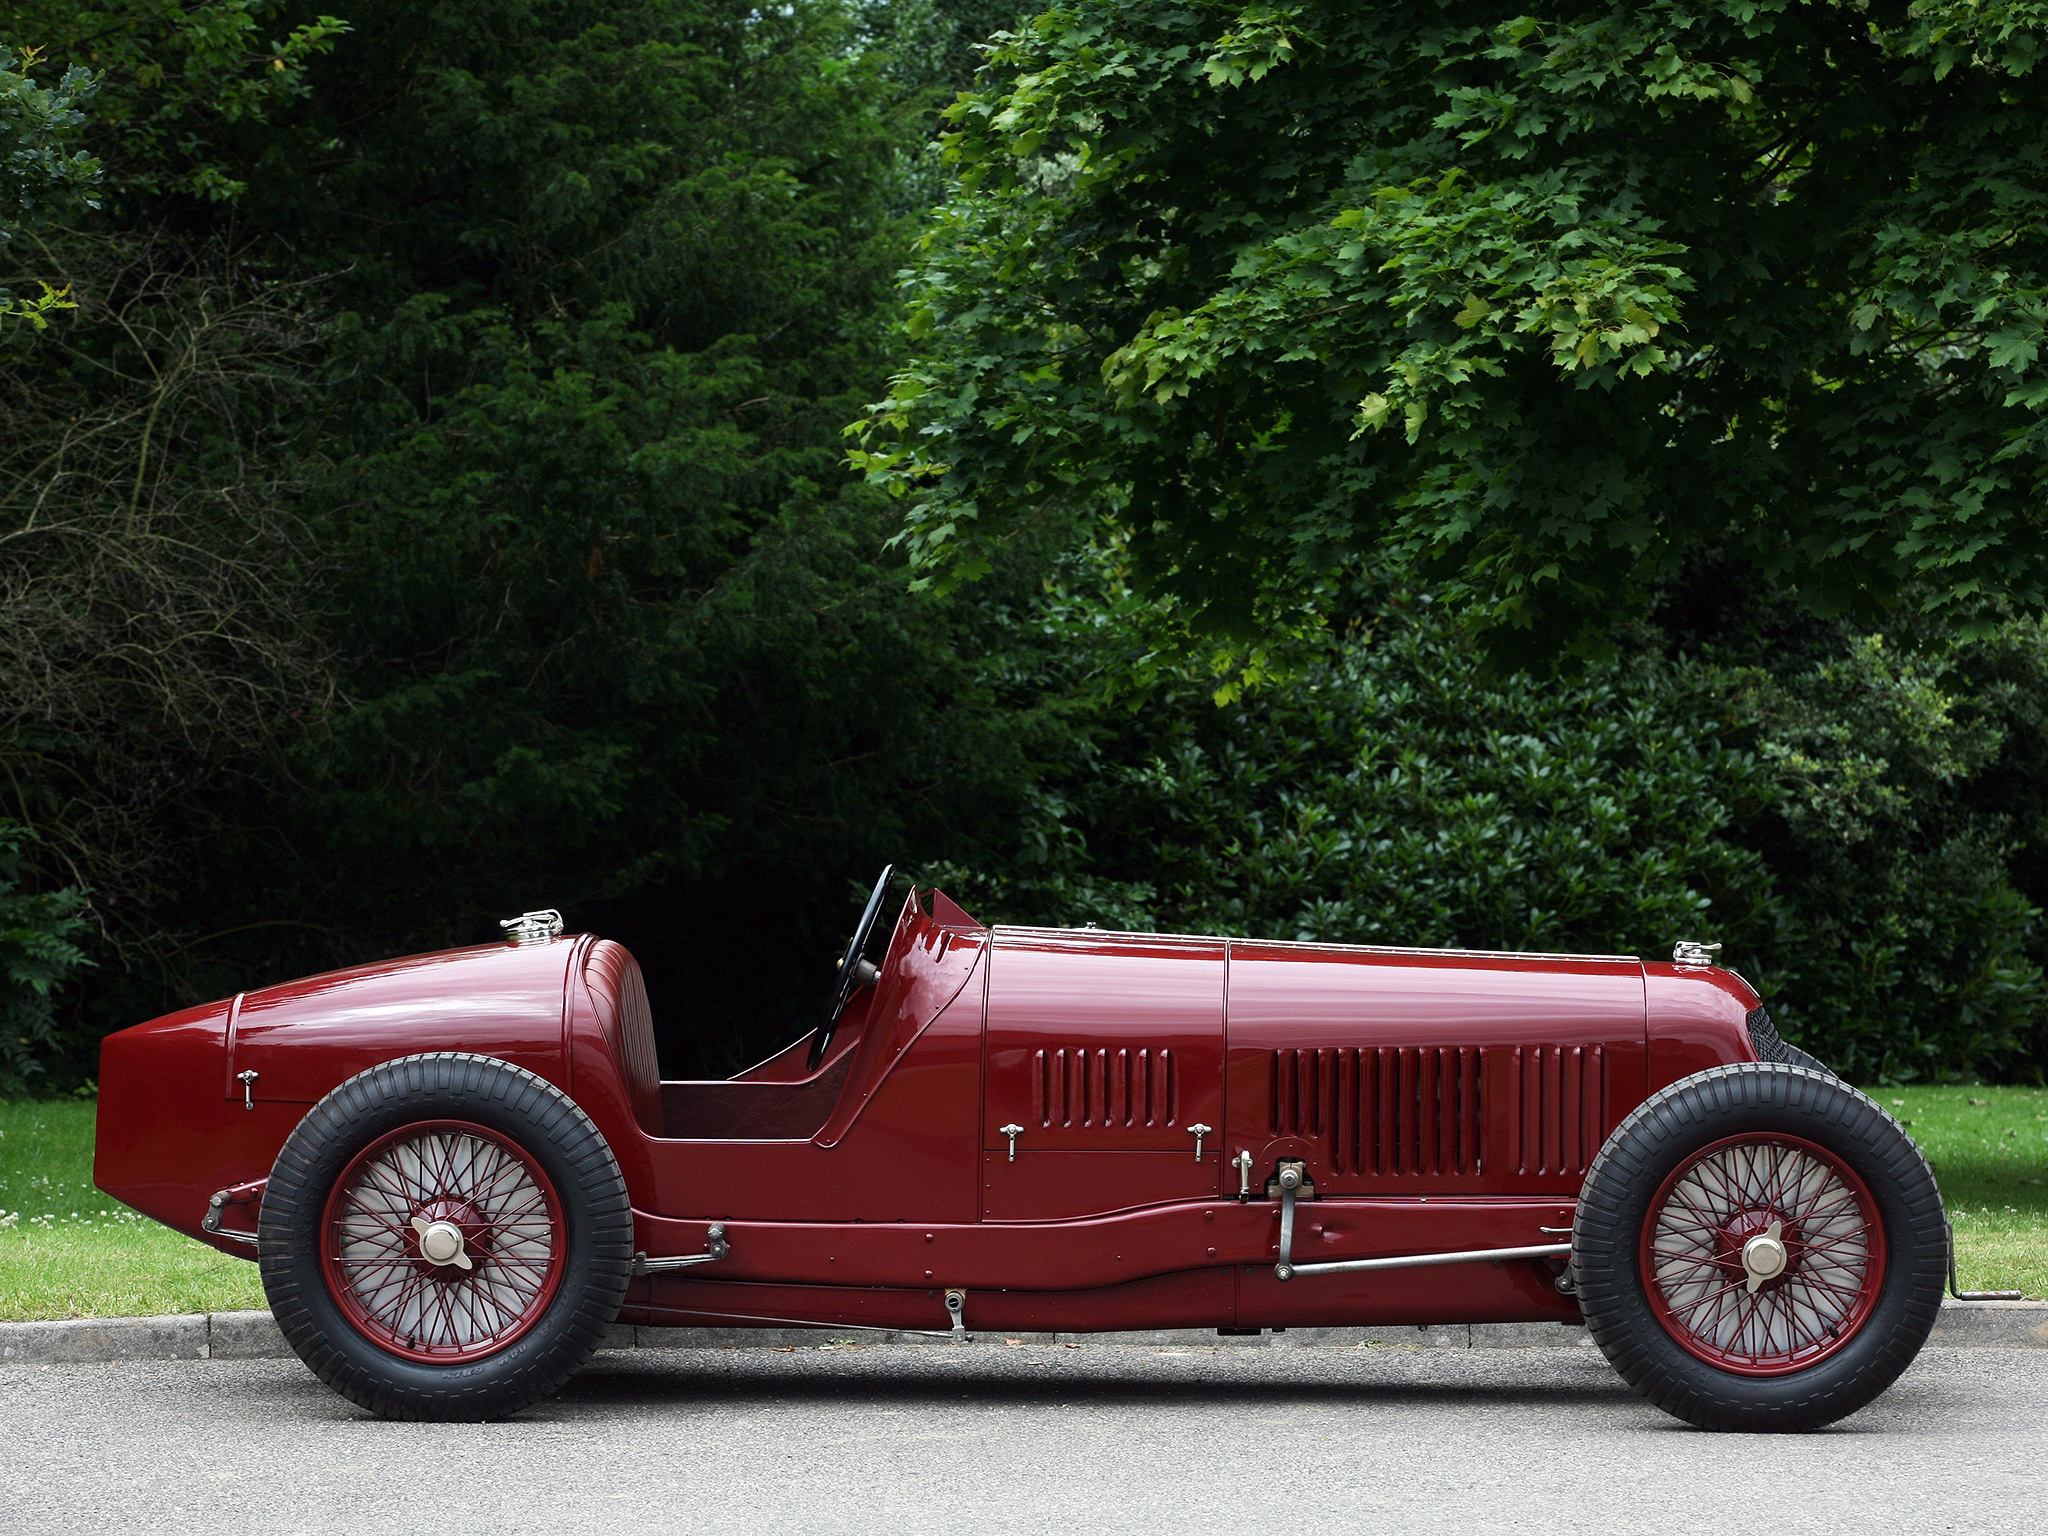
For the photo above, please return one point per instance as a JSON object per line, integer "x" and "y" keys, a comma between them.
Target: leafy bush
{"x": 1906, "y": 946}
{"x": 36, "y": 954}
{"x": 1829, "y": 825}
{"x": 1397, "y": 795}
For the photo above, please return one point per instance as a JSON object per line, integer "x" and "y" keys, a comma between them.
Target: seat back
{"x": 620, "y": 996}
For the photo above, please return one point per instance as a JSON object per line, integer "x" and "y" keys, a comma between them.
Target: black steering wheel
{"x": 854, "y": 971}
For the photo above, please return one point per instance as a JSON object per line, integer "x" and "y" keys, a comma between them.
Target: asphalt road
{"x": 910, "y": 1440}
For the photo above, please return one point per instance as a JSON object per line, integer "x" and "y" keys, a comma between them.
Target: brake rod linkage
{"x": 1287, "y": 1269}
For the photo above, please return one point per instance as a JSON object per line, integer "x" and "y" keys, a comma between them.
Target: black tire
{"x": 1683, "y": 1123}
{"x": 1772, "y": 1046}
{"x": 1795, "y": 1057}
{"x": 591, "y": 1252}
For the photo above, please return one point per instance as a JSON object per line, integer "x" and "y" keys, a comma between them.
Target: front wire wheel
{"x": 1759, "y": 1246}
{"x": 1764, "y": 1254}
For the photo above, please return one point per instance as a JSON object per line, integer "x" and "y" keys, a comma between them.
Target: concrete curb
{"x": 254, "y": 1336}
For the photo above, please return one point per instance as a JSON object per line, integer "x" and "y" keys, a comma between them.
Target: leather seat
{"x": 620, "y": 997}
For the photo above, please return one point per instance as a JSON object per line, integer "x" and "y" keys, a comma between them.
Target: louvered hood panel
{"x": 1103, "y": 1042}
{"x": 1558, "y": 1109}
{"x": 1076, "y": 1087}
{"x": 1430, "y": 1072}
{"x": 1388, "y": 1112}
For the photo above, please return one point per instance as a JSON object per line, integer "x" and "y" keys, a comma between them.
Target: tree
{"x": 171, "y": 77}
{"x": 153, "y": 571}
{"x": 1537, "y": 305}
{"x": 1858, "y": 822}
{"x": 43, "y": 178}
{"x": 553, "y": 585}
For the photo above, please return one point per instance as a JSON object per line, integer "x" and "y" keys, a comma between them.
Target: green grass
{"x": 1989, "y": 1148}
{"x": 66, "y": 1250}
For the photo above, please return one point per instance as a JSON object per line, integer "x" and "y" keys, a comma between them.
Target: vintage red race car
{"x": 456, "y": 1170}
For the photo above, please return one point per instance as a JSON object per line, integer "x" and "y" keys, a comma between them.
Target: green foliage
{"x": 1393, "y": 795}
{"x": 1540, "y": 303}
{"x": 1847, "y": 825}
{"x": 436, "y": 504}
{"x": 591, "y": 506}
{"x": 176, "y": 78}
{"x": 37, "y": 954}
{"x": 604, "y": 621}
{"x": 1907, "y": 944}
{"x": 43, "y": 178}
{"x": 154, "y": 630}
{"x": 541, "y": 578}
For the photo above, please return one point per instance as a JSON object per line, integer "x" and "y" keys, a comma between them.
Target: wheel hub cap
{"x": 441, "y": 1243}
{"x": 1763, "y": 1256}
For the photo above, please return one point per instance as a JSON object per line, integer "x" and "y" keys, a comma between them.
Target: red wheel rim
{"x": 406, "y": 1214}
{"x": 1707, "y": 1260}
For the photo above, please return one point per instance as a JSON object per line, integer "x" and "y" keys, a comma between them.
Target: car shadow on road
{"x": 682, "y": 1379}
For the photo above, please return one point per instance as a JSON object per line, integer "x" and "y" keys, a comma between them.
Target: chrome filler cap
{"x": 533, "y": 927}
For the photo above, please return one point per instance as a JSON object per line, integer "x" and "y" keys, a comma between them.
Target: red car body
{"x": 1077, "y": 1129}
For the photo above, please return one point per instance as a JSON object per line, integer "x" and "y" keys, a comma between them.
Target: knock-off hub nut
{"x": 1764, "y": 1256}
{"x": 441, "y": 1242}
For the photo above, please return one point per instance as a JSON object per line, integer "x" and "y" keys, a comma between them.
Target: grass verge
{"x": 66, "y": 1250}
{"x": 1989, "y": 1148}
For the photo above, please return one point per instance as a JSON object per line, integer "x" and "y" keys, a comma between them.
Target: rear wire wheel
{"x": 1759, "y": 1247}
{"x": 445, "y": 1237}
{"x": 443, "y": 1241}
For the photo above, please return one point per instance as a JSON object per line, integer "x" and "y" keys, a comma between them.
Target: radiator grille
{"x": 1107, "y": 1089}
{"x": 1387, "y": 1112}
{"x": 1557, "y": 1107}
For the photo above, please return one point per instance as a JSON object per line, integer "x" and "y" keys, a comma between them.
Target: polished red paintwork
{"x": 1328, "y": 1046}
{"x": 498, "y": 1000}
{"x": 1699, "y": 1013}
{"x": 1440, "y": 1100}
{"x": 1105, "y": 1056}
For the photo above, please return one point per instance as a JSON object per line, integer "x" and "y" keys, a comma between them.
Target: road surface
{"x": 913, "y": 1439}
